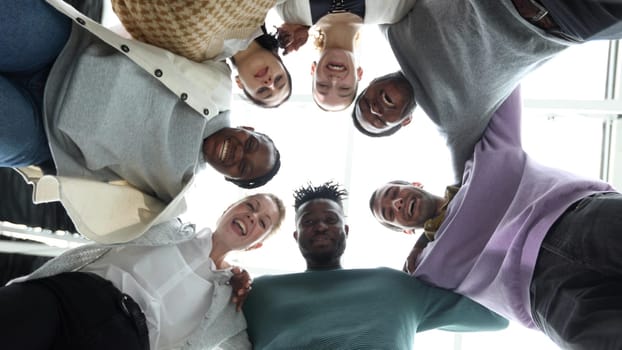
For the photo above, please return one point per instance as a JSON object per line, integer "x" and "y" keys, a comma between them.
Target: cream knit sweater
{"x": 193, "y": 29}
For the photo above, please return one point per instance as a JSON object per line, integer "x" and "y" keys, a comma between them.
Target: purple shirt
{"x": 488, "y": 244}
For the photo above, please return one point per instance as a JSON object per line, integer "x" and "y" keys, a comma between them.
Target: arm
{"x": 453, "y": 312}
{"x": 502, "y": 129}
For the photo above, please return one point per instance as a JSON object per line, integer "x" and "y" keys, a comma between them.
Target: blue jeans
{"x": 33, "y": 34}
{"x": 576, "y": 290}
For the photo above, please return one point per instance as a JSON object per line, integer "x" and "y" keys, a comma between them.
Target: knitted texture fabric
{"x": 193, "y": 29}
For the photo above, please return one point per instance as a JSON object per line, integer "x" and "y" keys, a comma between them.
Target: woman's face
{"x": 247, "y": 222}
{"x": 264, "y": 77}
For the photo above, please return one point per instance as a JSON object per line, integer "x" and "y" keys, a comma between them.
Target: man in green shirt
{"x": 327, "y": 307}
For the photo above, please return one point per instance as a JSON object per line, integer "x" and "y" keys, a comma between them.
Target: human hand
{"x": 240, "y": 284}
{"x": 292, "y": 36}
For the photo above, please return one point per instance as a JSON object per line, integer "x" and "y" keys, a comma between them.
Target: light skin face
{"x": 404, "y": 206}
{"x": 334, "y": 79}
{"x": 321, "y": 233}
{"x": 246, "y": 223}
{"x": 264, "y": 77}
{"x": 384, "y": 104}
{"x": 239, "y": 153}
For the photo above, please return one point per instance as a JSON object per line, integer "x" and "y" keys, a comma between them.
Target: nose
{"x": 252, "y": 217}
{"x": 268, "y": 81}
{"x": 321, "y": 226}
{"x": 375, "y": 109}
{"x": 397, "y": 204}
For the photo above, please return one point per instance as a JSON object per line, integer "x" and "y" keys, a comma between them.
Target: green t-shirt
{"x": 355, "y": 309}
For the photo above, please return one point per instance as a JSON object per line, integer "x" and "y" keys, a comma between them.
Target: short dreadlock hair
{"x": 328, "y": 190}
{"x": 263, "y": 179}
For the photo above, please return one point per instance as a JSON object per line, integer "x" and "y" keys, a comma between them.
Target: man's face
{"x": 263, "y": 76}
{"x": 247, "y": 222}
{"x": 239, "y": 153}
{"x": 385, "y": 104}
{"x": 335, "y": 79}
{"x": 321, "y": 231}
{"x": 403, "y": 206}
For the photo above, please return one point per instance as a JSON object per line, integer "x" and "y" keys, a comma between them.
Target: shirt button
{"x": 184, "y": 96}
{"x": 158, "y": 73}
{"x": 81, "y": 21}
{"x": 124, "y": 48}
{"x": 206, "y": 111}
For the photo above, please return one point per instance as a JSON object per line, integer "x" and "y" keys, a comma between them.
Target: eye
{"x": 322, "y": 85}
{"x": 250, "y": 206}
{"x": 387, "y": 99}
{"x": 262, "y": 90}
{"x": 331, "y": 220}
{"x": 307, "y": 222}
{"x": 244, "y": 168}
{"x": 250, "y": 144}
{"x": 262, "y": 224}
{"x": 278, "y": 79}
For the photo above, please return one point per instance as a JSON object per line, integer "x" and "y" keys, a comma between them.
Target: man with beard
{"x": 538, "y": 245}
{"x": 327, "y": 307}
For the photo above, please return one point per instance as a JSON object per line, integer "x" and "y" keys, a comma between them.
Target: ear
{"x": 347, "y": 230}
{"x": 409, "y": 231}
{"x": 407, "y": 120}
{"x": 296, "y": 236}
{"x": 249, "y": 128}
{"x": 255, "y": 246}
{"x": 359, "y": 73}
{"x": 417, "y": 184}
{"x": 239, "y": 82}
{"x": 313, "y": 67}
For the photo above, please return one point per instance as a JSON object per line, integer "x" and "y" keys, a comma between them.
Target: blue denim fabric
{"x": 33, "y": 34}
{"x": 576, "y": 290}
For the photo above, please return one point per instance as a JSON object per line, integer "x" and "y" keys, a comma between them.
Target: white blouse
{"x": 176, "y": 286}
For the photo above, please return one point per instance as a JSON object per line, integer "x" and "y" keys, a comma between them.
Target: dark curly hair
{"x": 329, "y": 190}
{"x": 263, "y": 179}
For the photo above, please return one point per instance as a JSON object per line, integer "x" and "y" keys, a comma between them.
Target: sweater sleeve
{"x": 453, "y": 312}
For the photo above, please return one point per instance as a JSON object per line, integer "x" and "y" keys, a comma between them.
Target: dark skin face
{"x": 239, "y": 153}
{"x": 404, "y": 206}
{"x": 385, "y": 103}
{"x": 321, "y": 233}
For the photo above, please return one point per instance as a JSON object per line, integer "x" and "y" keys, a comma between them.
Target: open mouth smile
{"x": 336, "y": 67}
{"x": 241, "y": 226}
{"x": 226, "y": 151}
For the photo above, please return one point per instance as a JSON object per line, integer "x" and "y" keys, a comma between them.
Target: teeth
{"x": 241, "y": 226}
{"x": 336, "y": 67}
{"x": 224, "y": 150}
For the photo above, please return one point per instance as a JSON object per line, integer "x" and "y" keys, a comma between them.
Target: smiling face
{"x": 335, "y": 79}
{"x": 321, "y": 232}
{"x": 239, "y": 153}
{"x": 247, "y": 222}
{"x": 264, "y": 78}
{"x": 386, "y": 103}
{"x": 403, "y": 206}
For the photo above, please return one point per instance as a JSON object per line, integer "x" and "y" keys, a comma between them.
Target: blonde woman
{"x": 167, "y": 289}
